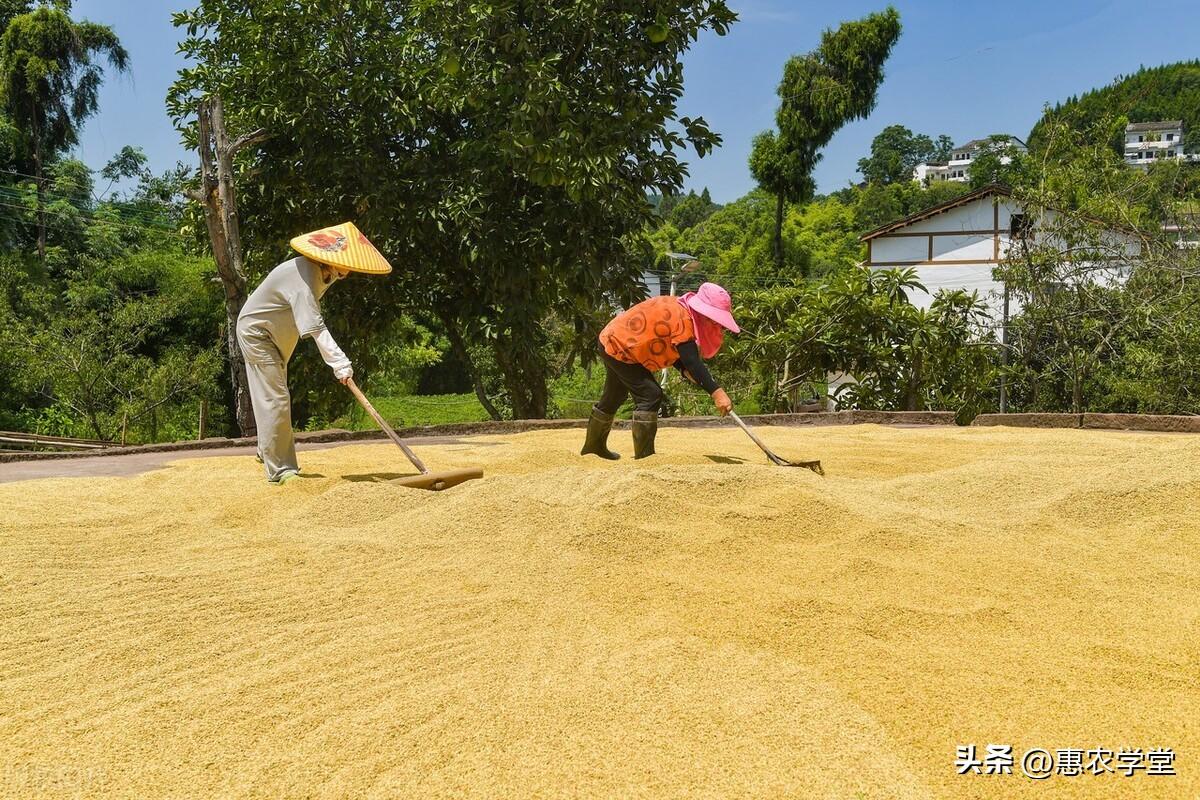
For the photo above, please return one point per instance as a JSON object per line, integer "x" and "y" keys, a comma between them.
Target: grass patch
{"x": 444, "y": 409}
{"x": 407, "y": 410}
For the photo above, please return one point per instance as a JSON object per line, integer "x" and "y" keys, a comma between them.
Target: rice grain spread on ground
{"x": 698, "y": 624}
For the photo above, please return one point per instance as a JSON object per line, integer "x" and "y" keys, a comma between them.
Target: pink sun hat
{"x": 713, "y": 302}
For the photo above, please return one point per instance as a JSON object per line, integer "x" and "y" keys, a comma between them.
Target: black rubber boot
{"x": 599, "y": 424}
{"x": 645, "y": 427}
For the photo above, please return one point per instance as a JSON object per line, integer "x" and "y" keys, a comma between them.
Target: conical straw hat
{"x": 342, "y": 246}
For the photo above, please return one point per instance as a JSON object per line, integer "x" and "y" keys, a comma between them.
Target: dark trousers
{"x": 623, "y": 379}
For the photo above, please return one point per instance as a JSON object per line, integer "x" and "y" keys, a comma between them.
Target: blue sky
{"x": 966, "y": 69}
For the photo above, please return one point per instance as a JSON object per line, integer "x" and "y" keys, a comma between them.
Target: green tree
{"x": 1000, "y": 161}
{"x": 1103, "y": 292}
{"x": 862, "y": 322}
{"x": 500, "y": 154}
{"x": 820, "y": 92}
{"x": 11, "y": 9}
{"x": 895, "y": 152}
{"x": 942, "y": 148}
{"x": 50, "y": 83}
{"x": 113, "y": 334}
{"x": 692, "y": 210}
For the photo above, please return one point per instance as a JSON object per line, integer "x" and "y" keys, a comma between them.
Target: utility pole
{"x": 691, "y": 264}
{"x": 1004, "y": 355}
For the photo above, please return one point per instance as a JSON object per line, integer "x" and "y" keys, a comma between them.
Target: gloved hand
{"x": 724, "y": 404}
{"x": 344, "y": 374}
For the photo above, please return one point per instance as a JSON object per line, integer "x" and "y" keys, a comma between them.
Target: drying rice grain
{"x": 558, "y": 628}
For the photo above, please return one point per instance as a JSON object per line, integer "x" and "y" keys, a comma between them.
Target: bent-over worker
{"x": 651, "y": 336}
{"x": 284, "y": 308}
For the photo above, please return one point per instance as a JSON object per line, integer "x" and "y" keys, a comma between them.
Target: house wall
{"x": 972, "y": 278}
{"x": 959, "y": 248}
{"x": 654, "y": 284}
{"x": 1154, "y": 144}
{"x": 978, "y": 231}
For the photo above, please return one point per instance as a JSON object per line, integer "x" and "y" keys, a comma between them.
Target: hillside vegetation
{"x": 1170, "y": 91}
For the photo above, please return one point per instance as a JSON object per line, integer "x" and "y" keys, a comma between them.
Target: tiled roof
{"x": 971, "y": 145}
{"x": 976, "y": 144}
{"x": 969, "y": 197}
{"x": 1154, "y": 126}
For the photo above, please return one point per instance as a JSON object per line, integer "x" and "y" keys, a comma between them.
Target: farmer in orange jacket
{"x": 651, "y": 336}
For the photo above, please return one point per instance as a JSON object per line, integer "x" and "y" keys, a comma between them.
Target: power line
{"x": 143, "y": 214}
{"x": 68, "y": 230}
{"x": 92, "y": 220}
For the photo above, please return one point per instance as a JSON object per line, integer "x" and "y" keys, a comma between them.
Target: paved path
{"x": 135, "y": 464}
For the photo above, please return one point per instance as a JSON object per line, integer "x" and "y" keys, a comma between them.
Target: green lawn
{"x": 411, "y": 410}
{"x": 405, "y": 411}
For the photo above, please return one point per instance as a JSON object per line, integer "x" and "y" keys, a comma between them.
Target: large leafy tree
{"x": 50, "y": 77}
{"x": 820, "y": 92}
{"x": 1001, "y": 161}
{"x": 500, "y": 154}
{"x": 11, "y": 9}
{"x": 896, "y": 151}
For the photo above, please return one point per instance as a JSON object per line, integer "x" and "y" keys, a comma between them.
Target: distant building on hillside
{"x": 1146, "y": 142}
{"x": 931, "y": 172}
{"x": 958, "y": 168}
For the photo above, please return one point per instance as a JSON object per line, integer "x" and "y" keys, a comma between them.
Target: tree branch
{"x": 257, "y": 137}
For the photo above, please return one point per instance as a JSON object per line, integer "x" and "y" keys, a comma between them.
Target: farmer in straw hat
{"x": 285, "y": 307}
{"x": 651, "y": 336}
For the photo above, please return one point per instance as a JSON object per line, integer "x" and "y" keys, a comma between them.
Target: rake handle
{"x": 382, "y": 423}
{"x": 751, "y": 434}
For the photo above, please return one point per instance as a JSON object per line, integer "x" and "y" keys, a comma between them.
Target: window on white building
{"x": 1019, "y": 226}
{"x": 1141, "y": 138}
{"x": 1170, "y": 137}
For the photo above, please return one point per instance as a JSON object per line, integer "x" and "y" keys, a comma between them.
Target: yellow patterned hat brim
{"x": 342, "y": 246}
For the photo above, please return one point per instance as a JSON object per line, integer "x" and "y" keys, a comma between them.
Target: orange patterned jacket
{"x": 649, "y": 333}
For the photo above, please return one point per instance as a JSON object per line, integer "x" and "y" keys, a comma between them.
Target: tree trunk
{"x": 1077, "y": 391}
{"x": 94, "y": 421}
{"x": 790, "y": 393}
{"x": 912, "y": 393}
{"x": 41, "y": 195}
{"x": 460, "y": 350}
{"x": 525, "y": 379}
{"x": 220, "y": 216}
{"x": 779, "y": 204}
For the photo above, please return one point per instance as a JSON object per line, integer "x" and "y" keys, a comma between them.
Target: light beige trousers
{"x": 272, "y": 414}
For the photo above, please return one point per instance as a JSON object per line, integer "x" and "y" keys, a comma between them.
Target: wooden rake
{"x": 815, "y": 466}
{"x": 434, "y": 481}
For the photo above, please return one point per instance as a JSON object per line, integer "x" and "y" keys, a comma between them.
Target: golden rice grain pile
{"x": 698, "y": 624}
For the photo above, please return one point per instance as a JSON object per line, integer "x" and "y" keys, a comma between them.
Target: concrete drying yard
{"x": 698, "y": 624}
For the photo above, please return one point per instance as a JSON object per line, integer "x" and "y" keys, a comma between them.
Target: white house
{"x": 931, "y": 172}
{"x": 957, "y": 244}
{"x": 1147, "y": 141}
{"x": 958, "y": 167}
